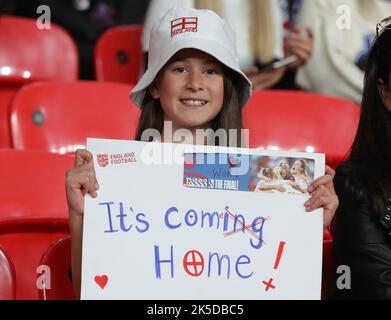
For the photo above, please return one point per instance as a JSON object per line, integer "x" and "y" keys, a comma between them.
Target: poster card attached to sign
{"x": 174, "y": 221}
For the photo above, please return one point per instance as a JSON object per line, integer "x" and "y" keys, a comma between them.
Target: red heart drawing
{"x": 101, "y": 281}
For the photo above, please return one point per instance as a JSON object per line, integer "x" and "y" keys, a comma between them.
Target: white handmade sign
{"x": 193, "y": 222}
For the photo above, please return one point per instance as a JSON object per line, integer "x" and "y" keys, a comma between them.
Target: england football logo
{"x": 103, "y": 159}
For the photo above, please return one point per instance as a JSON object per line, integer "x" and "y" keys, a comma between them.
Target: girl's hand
{"x": 293, "y": 184}
{"x": 79, "y": 181}
{"x": 323, "y": 196}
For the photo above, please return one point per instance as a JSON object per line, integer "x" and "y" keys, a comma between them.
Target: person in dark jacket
{"x": 362, "y": 224}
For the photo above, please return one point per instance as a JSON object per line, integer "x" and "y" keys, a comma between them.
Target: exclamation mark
{"x": 270, "y": 284}
{"x": 279, "y": 254}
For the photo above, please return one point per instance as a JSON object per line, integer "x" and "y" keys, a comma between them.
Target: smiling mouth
{"x": 194, "y": 103}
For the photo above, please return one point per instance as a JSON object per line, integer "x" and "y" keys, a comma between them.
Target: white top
{"x": 284, "y": 183}
{"x": 302, "y": 182}
{"x": 235, "y": 12}
{"x": 338, "y": 44}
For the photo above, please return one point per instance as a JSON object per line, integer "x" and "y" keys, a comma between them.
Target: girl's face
{"x": 190, "y": 88}
{"x": 297, "y": 167}
{"x": 285, "y": 169}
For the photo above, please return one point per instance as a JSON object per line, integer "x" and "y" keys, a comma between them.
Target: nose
{"x": 195, "y": 81}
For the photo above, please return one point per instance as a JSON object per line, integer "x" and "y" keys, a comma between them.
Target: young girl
{"x": 260, "y": 28}
{"x": 299, "y": 173}
{"x": 193, "y": 81}
{"x": 362, "y": 228}
{"x": 266, "y": 181}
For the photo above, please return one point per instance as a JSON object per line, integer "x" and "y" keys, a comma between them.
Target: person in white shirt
{"x": 343, "y": 33}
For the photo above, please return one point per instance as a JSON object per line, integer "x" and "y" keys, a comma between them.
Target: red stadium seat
{"x": 33, "y": 210}
{"x": 118, "y": 55}
{"x": 6, "y": 95}
{"x": 58, "y": 259}
{"x": 7, "y": 277}
{"x": 58, "y": 116}
{"x": 300, "y": 121}
{"x": 28, "y": 53}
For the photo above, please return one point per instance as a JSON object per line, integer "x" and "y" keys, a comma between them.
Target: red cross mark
{"x": 185, "y": 24}
{"x": 191, "y": 260}
{"x": 269, "y": 284}
{"x": 243, "y": 227}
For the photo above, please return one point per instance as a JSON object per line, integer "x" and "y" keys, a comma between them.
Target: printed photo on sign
{"x": 223, "y": 171}
{"x": 281, "y": 175}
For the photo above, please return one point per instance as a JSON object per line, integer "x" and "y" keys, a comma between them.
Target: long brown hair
{"x": 262, "y": 33}
{"x": 229, "y": 117}
{"x": 370, "y": 157}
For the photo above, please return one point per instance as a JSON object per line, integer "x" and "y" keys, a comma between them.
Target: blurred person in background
{"x": 265, "y": 31}
{"x": 86, "y": 20}
{"x": 343, "y": 33}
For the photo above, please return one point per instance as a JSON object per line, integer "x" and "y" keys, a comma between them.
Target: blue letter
{"x": 122, "y": 216}
{"x": 143, "y": 222}
{"x": 158, "y": 262}
{"x": 211, "y": 218}
{"x": 242, "y": 223}
{"x": 246, "y": 262}
{"x": 259, "y": 230}
{"x": 108, "y": 204}
{"x": 171, "y": 226}
{"x": 226, "y": 216}
{"x": 219, "y": 261}
{"x": 188, "y": 215}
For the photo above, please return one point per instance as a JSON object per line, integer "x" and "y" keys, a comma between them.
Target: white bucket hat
{"x": 182, "y": 28}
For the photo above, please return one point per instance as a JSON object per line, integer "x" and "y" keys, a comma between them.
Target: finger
{"x": 77, "y": 178}
{"x": 298, "y": 38}
{"x": 325, "y": 180}
{"x": 82, "y": 156}
{"x": 84, "y": 159}
{"x": 303, "y": 54}
{"x": 89, "y": 170}
{"x": 268, "y": 79}
{"x": 310, "y": 32}
{"x": 260, "y": 79}
{"x": 95, "y": 180}
{"x": 330, "y": 172}
{"x": 321, "y": 191}
{"x": 251, "y": 72}
{"x": 77, "y": 188}
{"x": 303, "y": 45}
{"x": 308, "y": 36}
{"x": 257, "y": 78}
{"x": 324, "y": 198}
{"x": 84, "y": 182}
{"x": 329, "y": 204}
{"x": 320, "y": 201}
